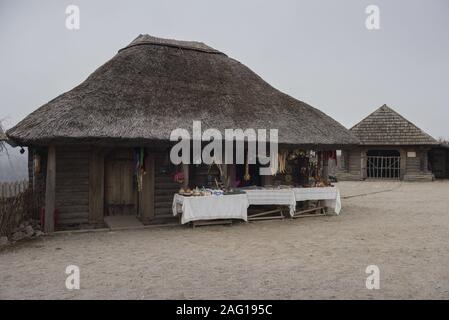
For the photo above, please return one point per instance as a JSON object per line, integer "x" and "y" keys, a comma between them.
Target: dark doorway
{"x": 383, "y": 164}
{"x": 439, "y": 162}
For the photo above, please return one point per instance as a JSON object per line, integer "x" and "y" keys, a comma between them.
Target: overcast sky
{"x": 319, "y": 52}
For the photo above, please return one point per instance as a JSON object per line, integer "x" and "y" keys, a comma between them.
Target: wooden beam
{"x": 185, "y": 170}
{"x": 50, "y": 191}
{"x": 146, "y": 196}
{"x": 96, "y": 186}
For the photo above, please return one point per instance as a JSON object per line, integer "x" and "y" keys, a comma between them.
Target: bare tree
{"x": 443, "y": 140}
{"x": 3, "y": 148}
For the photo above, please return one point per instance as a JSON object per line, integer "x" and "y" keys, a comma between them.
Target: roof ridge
{"x": 146, "y": 39}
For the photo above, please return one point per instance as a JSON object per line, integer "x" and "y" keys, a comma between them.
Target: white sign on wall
{"x": 411, "y": 154}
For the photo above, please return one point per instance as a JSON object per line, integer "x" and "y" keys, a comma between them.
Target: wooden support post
{"x": 146, "y": 196}
{"x": 96, "y": 186}
{"x": 325, "y": 169}
{"x": 185, "y": 171}
{"x": 224, "y": 176}
{"x": 267, "y": 180}
{"x": 363, "y": 164}
{"x": 231, "y": 171}
{"x": 403, "y": 164}
{"x": 50, "y": 191}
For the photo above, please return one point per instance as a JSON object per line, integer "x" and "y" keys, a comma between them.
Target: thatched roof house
{"x": 81, "y": 143}
{"x": 391, "y": 147}
{"x": 154, "y": 85}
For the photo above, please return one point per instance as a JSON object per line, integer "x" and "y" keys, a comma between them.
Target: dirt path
{"x": 404, "y": 231}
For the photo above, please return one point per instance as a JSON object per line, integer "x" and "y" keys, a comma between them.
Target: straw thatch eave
{"x": 154, "y": 86}
{"x": 2, "y": 135}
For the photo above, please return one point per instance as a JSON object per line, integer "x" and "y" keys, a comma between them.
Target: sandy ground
{"x": 403, "y": 229}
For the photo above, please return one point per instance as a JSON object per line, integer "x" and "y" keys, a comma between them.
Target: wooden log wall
{"x": 50, "y": 191}
{"x": 354, "y": 162}
{"x": 164, "y": 186}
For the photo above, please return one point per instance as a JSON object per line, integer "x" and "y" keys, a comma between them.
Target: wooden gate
{"x": 383, "y": 167}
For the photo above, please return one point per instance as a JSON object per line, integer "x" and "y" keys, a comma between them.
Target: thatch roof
{"x": 2, "y": 135}
{"x": 387, "y": 127}
{"x": 154, "y": 85}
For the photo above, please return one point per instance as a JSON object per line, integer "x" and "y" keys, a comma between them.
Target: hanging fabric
{"x": 179, "y": 177}
{"x": 139, "y": 168}
{"x": 282, "y": 159}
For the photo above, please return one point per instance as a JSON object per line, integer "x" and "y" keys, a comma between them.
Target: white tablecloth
{"x": 211, "y": 207}
{"x": 330, "y": 196}
{"x": 272, "y": 197}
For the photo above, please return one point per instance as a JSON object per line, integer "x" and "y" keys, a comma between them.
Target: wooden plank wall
{"x": 414, "y": 165}
{"x": 72, "y": 185}
{"x": 164, "y": 186}
{"x": 355, "y": 159}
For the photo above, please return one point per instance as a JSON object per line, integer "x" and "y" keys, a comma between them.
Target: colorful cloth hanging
{"x": 179, "y": 177}
{"x": 139, "y": 166}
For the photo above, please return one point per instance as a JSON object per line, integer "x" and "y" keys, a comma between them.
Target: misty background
{"x": 319, "y": 52}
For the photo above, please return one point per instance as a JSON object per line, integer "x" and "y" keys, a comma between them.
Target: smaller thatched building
{"x": 391, "y": 147}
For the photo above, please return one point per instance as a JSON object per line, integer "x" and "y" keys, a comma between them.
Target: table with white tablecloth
{"x": 233, "y": 206}
{"x": 329, "y": 195}
{"x": 266, "y": 196}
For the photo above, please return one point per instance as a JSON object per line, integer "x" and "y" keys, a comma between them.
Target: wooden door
{"x": 120, "y": 186}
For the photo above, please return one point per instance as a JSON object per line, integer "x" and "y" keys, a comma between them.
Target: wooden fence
{"x": 16, "y": 205}
{"x": 12, "y": 189}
